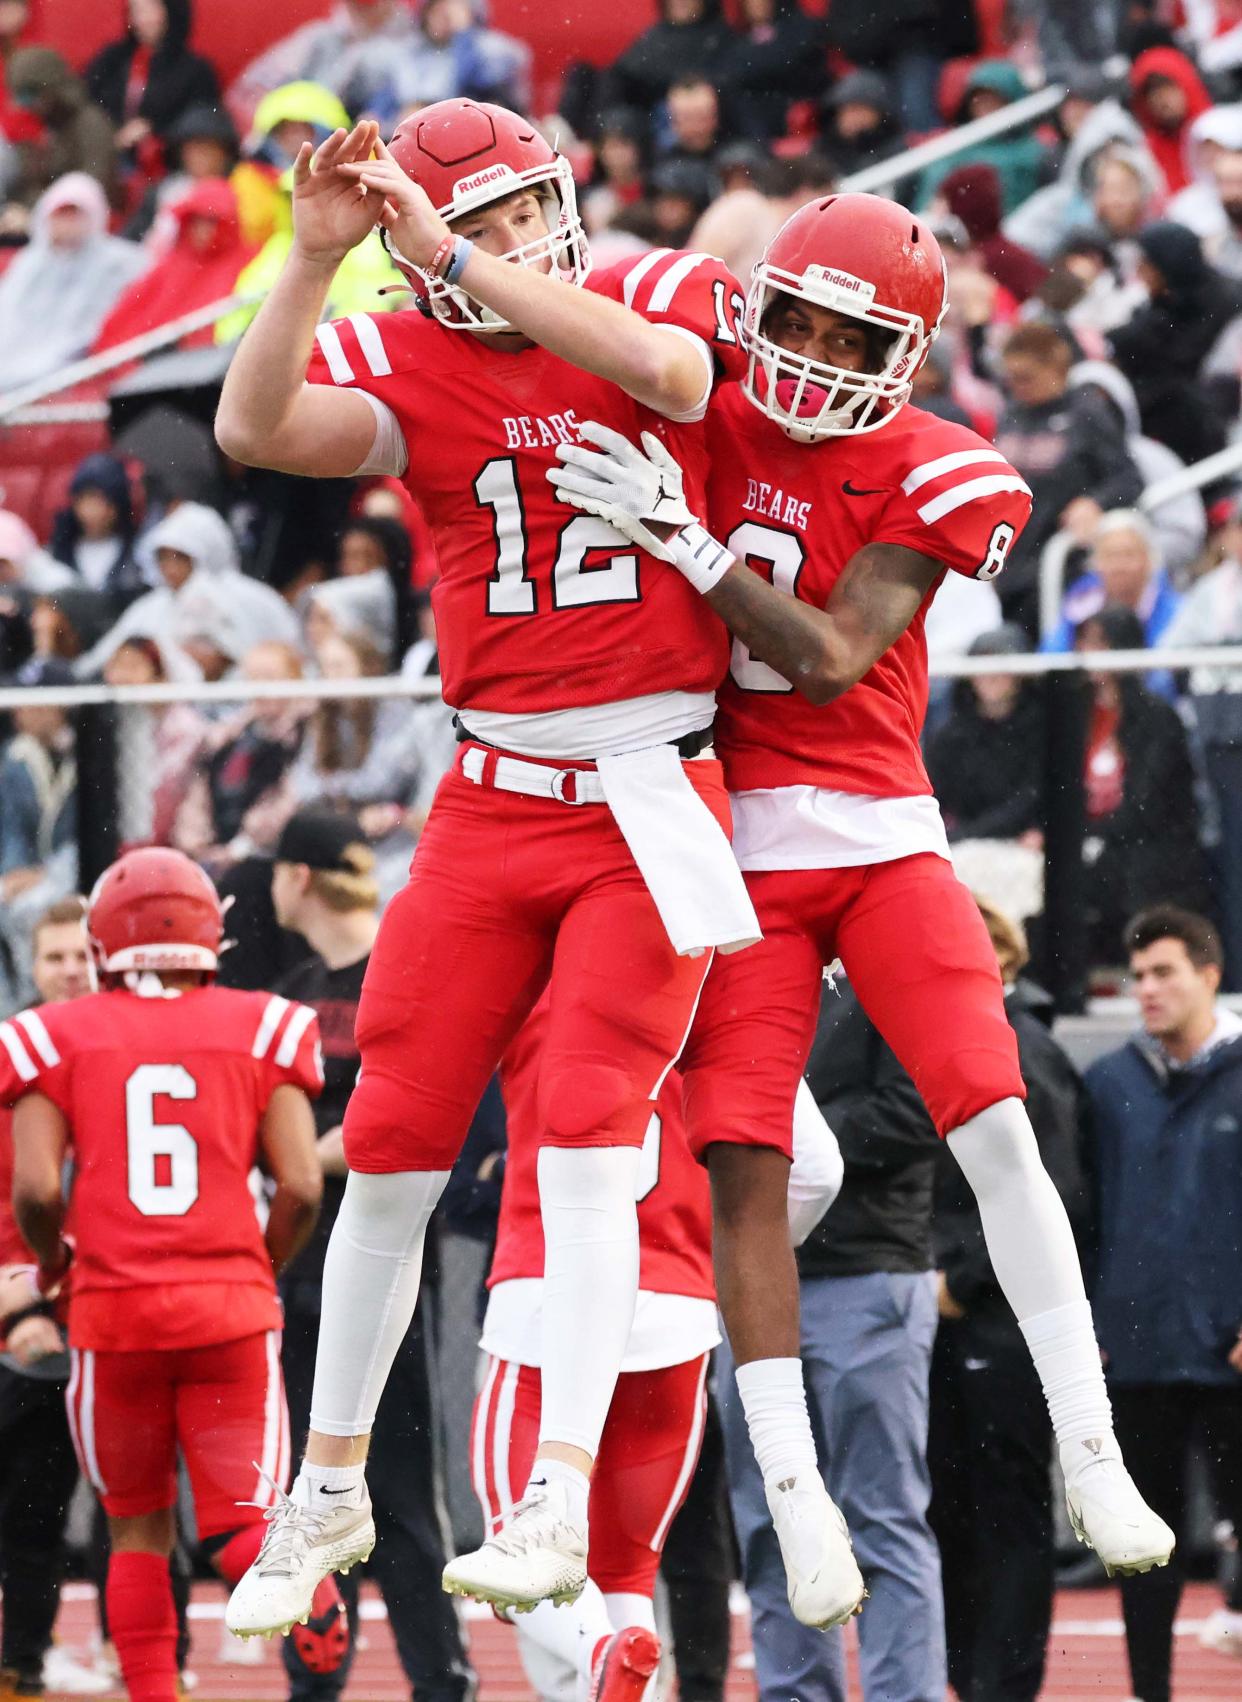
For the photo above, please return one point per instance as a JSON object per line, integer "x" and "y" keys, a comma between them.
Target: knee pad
{"x": 591, "y": 1102}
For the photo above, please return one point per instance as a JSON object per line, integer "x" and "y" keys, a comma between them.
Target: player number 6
{"x": 162, "y": 1157}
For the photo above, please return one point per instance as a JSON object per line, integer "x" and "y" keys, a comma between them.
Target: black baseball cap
{"x": 321, "y": 839}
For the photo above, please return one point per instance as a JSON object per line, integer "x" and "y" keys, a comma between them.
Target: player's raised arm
{"x": 656, "y": 365}
{"x": 287, "y": 1143}
{"x": 268, "y": 416}
{"x": 39, "y": 1137}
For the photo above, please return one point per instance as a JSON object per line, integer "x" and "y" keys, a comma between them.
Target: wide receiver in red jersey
{"x": 651, "y": 1441}
{"x": 575, "y": 843}
{"x": 839, "y": 508}
{"x": 166, "y": 1091}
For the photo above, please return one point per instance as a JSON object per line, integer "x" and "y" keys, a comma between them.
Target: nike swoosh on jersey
{"x": 852, "y": 490}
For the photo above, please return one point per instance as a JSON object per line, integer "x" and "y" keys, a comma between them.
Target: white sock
{"x": 370, "y": 1286}
{"x": 570, "y": 1633}
{"x": 774, "y": 1401}
{"x": 625, "y": 1608}
{"x": 590, "y": 1285}
{"x": 327, "y": 1487}
{"x": 574, "y": 1485}
{"x": 1032, "y": 1249}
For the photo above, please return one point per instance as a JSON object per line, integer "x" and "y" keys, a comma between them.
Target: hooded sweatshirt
{"x": 107, "y": 564}
{"x": 854, "y": 153}
{"x": 1168, "y": 147}
{"x": 76, "y": 135}
{"x": 130, "y": 81}
{"x": 1198, "y": 205}
{"x": 187, "y": 277}
{"x": 53, "y": 300}
{"x": 217, "y": 599}
{"x": 1018, "y": 155}
{"x": 972, "y": 193}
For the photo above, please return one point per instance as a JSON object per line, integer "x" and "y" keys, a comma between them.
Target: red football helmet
{"x": 862, "y": 256}
{"x": 466, "y": 153}
{"x": 154, "y": 909}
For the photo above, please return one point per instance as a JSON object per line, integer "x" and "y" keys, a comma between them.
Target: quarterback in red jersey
{"x": 654, "y": 1430}
{"x": 166, "y": 1091}
{"x": 838, "y": 508}
{"x": 577, "y": 842}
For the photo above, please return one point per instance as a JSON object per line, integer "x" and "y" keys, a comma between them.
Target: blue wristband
{"x": 462, "y": 250}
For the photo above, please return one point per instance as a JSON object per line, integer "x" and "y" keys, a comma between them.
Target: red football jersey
{"x": 674, "y": 1203}
{"x": 163, "y": 1098}
{"x": 796, "y": 513}
{"x": 13, "y": 1250}
{"x": 538, "y": 607}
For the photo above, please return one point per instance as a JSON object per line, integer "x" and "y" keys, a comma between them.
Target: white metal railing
{"x": 134, "y": 348}
{"x": 949, "y": 142}
{"x": 421, "y": 691}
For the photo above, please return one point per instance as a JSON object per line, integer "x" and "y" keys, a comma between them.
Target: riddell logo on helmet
{"x": 494, "y": 174}
{"x": 845, "y": 281}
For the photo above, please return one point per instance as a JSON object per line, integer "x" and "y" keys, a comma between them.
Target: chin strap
{"x": 147, "y": 984}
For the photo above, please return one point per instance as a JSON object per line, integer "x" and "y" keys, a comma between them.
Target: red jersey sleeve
{"x": 690, "y": 292}
{"x": 286, "y": 1044}
{"x": 964, "y": 509}
{"x": 33, "y": 1058}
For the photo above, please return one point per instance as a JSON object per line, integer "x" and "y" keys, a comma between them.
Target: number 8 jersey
{"x": 164, "y": 1098}
{"x": 539, "y": 608}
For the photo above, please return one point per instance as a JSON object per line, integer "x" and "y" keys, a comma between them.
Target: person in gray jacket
{"x": 1166, "y": 1154}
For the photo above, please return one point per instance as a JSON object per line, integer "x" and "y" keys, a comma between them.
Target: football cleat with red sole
{"x": 623, "y": 1664}
{"x": 323, "y": 1642}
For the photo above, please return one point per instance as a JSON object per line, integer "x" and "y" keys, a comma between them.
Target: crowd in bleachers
{"x": 1095, "y": 333}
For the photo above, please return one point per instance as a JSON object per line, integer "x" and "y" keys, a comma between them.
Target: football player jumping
{"x": 838, "y": 508}
{"x": 579, "y": 842}
{"x": 167, "y": 1091}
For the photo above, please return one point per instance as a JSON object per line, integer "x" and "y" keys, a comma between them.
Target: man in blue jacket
{"x": 1167, "y": 1156}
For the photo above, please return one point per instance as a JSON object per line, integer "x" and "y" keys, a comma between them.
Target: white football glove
{"x": 629, "y": 489}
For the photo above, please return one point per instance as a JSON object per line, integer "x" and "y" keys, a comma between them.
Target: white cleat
{"x": 301, "y": 1547}
{"x": 1222, "y": 1631}
{"x": 825, "y": 1586}
{"x": 539, "y": 1554}
{"x": 1109, "y": 1515}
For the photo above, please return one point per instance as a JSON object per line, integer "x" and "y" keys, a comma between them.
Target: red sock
{"x": 238, "y": 1554}
{"x": 143, "y": 1623}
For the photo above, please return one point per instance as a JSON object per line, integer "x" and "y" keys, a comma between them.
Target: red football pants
{"x": 646, "y": 1459}
{"x": 223, "y": 1407}
{"x": 918, "y": 955}
{"x": 508, "y": 894}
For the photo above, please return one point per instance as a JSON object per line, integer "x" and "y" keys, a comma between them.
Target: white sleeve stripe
{"x": 295, "y": 1028}
{"x": 668, "y": 285}
{"x": 329, "y": 340}
{"x": 692, "y": 415}
{"x": 637, "y": 273}
{"x": 389, "y": 453}
{"x": 947, "y": 464}
{"x": 17, "y": 1052}
{"x": 960, "y": 495}
{"x": 371, "y": 343}
{"x": 36, "y": 1031}
{"x": 272, "y": 1013}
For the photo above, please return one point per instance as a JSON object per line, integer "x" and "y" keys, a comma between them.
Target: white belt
{"x": 532, "y": 779}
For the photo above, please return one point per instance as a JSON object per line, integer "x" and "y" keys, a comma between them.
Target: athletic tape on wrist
{"x": 463, "y": 248}
{"x": 699, "y": 557}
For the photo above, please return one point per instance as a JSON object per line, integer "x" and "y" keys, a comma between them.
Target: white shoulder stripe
{"x": 270, "y": 1021}
{"x": 295, "y": 1028}
{"x": 636, "y": 274}
{"x": 371, "y": 342}
{"x": 329, "y": 340}
{"x": 36, "y": 1030}
{"x": 947, "y": 464}
{"x": 960, "y": 495}
{"x": 670, "y": 283}
{"x": 21, "y": 1060}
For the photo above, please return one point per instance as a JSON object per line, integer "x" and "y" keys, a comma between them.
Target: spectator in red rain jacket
{"x": 1166, "y": 96}
{"x": 202, "y": 266}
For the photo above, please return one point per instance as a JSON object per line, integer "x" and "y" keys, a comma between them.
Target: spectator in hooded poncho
{"x": 55, "y": 295}
{"x": 1165, "y": 346}
{"x": 149, "y": 77}
{"x": 1018, "y": 156}
{"x": 689, "y": 35}
{"x": 1216, "y": 132}
{"x": 1167, "y": 94}
{"x": 94, "y": 533}
{"x": 24, "y": 564}
{"x": 197, "y": 560}
{"x": 1093, "y": 125}
{"x": 207, "y": 256}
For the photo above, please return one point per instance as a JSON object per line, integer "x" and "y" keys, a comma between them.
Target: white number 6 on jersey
{"x": 147, "y": 1142}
